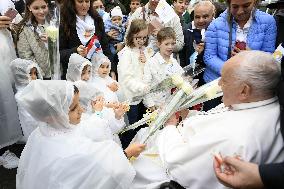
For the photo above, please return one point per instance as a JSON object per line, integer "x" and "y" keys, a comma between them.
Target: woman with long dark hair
{"x": 31, "y": 37}
{"x": 81, "y": 31}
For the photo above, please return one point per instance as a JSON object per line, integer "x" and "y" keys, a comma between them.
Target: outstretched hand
{"x": 244, "y": 174}
{"x": 134, "y": 150}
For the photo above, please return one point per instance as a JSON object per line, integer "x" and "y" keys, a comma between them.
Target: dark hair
{"x": 28, "y": 15}
{"x": 36, "y": 71}
{"x": 136, "y": 26}
{"x": 85, "y": 68}
{"x": 228, "y": 2}
{"x": 166, "y": 33}
{"x": 76, "y": 90}
{"x": 68, "y": 16}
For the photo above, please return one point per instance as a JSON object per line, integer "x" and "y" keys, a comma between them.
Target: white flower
{"x": 177, "y": 80}
{"x": 187, "y": 88}
{"x": 52, "y": 32}
{"x": 212, "y": 91}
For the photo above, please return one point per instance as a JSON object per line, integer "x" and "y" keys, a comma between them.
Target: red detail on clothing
{"x": 197, "y": 107}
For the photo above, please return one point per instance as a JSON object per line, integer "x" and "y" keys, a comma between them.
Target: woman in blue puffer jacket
{"x": 250, "y": 29}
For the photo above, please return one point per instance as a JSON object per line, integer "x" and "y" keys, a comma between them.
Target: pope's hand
{"x": 134, "y": 150}
{"x": 172, "y": 121}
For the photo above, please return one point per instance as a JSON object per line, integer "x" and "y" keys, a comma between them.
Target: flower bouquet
{"x": 52, "y": 31}
{"x": 147, "y": 119}
{"x": 202, "y": 94}
{"x": 167, "y": 84}
{"x": 183, "y": 99}
{"x": 184, "y": 89}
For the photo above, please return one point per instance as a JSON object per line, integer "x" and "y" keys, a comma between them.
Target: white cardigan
{"x": 130, "y": 73}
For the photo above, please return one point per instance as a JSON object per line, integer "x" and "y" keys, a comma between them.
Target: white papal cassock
{"x": 251, "y": 130}
{"x": 55, "y": 159}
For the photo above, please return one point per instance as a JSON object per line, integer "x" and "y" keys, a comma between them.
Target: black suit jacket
{"x": 67, "y": 46}
{"x": 188, "y": 50}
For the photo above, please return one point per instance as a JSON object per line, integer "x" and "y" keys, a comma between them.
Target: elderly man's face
{"x": 229, "y": 84}
{"x": 203, "y": 15}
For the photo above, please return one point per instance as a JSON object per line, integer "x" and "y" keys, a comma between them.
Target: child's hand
{"x": 125, "y": 106}
{"x": 134, "y": 150}
{"x": 112, "y": 105}
{"x": 200, "y": 48}
{"x": 113, "y": 86}
{"x": 142, "y": 57}
{"x": 113, "y": 33}
{"x": 119, "y": 46}
{"x": 82, "y": 50}
{"x": 119, "y": 111}
{"x": 153, "y": 108}
{"x": 98, "y": 104}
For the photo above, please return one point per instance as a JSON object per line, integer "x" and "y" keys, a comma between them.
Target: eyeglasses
{"x": 141, "y": 38}
{"x": 100, "y": 6}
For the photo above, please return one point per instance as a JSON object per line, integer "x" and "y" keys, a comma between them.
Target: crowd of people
{"x": 111, "y": 64}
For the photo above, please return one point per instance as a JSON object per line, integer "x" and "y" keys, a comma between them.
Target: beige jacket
{"x": 30, "y": 47}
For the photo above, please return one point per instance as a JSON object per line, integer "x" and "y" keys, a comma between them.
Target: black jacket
{"x": 67, "y": 46}
{"x": 188, "y": 50}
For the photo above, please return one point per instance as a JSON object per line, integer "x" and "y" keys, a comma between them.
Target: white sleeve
{"x": 114, "y": 124}
{"x": 147, "y": 78}
{"x": 179, "y": 34}
{"x": 194, "y": 154}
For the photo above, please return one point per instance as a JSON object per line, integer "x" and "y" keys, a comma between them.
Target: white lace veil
{"x": 87, "y": 93}
{"x": 75, "y": 66}
{"x": 49, "y": 102}
{"x": 97, "y": 61}
{"x": 21, "y": 70}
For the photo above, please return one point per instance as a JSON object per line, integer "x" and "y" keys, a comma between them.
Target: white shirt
{"x": 155, "y": 71}
{"x": 242, "y": 33}
{"x": 102, "y": 85}
{"x": 251, "y": 130}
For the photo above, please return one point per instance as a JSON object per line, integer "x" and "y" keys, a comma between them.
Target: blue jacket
{"x": 261, "y": 36}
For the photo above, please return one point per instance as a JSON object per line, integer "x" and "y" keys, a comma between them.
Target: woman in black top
{"x": 80, "y": 27}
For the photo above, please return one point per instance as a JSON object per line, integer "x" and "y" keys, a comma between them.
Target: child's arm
{"x": 127, "y": 77}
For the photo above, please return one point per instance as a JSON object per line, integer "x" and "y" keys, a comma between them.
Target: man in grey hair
{"x": 246, "y": 124}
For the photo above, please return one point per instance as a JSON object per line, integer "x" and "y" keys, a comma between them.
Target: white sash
{"x": 85, "y": 28}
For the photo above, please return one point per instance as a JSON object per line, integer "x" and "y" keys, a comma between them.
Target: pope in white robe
{"x": 246, "y": 125}
{"x": 56, "y": 155}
